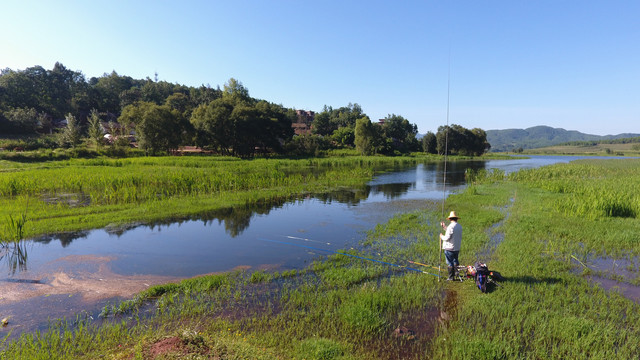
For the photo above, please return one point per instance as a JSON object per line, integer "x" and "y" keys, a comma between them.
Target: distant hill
{"x": 541, "y": 136}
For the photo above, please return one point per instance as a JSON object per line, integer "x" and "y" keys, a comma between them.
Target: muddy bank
{"x": 87, "y": 276}
{"x": 65, "y": 288}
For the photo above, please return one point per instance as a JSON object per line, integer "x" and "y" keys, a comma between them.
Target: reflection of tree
{"x": 15, "y": 254}
{"x": 393, "y": 191}
{"x": 349, "y": 197}
{"x": 236, "y": 220}
{"x": 456, "y": 171}
{"x": 65, "y": 238}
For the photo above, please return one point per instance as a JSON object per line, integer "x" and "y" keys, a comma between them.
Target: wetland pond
{"x": 66, "y": 274}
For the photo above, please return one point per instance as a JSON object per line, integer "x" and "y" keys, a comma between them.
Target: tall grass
{"x": 138, "y": 180}
{"x": 543, "y": 309}
{"x": 346, "y": 308}
{"x": 596, "y": 188}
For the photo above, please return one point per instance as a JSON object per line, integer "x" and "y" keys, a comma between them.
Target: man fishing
{"x": 450, "y": 242}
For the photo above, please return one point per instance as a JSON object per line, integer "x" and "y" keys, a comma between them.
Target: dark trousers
{"x": 452, "y": 258}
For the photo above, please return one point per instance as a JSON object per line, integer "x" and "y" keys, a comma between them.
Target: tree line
{"x": 164, "y": 116}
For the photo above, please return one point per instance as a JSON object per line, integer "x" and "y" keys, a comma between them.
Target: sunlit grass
{"x": 341, "y": 307}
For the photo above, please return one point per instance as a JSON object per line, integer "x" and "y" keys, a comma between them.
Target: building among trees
{"x": 303, "y": 123}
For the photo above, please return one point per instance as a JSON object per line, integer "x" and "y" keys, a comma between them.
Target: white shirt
{"x": 452, "y": 238}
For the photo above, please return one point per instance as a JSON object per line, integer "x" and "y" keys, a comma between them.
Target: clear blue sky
{"x": 513, "y": 64}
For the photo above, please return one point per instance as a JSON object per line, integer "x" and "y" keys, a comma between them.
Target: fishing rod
{"x": 446, "y": 151}
{"x": 421, "y": 264}
{"x": 346, "y": 254}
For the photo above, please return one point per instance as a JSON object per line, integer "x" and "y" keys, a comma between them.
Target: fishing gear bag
{"x": 482, "y": 276}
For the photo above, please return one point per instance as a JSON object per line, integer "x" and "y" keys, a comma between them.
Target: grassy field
{"x": 630, "y": 149}
{"x": 536, "y": 227}
{"x": 547, "y": 308}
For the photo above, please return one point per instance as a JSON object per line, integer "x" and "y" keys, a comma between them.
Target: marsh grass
{"x": 15, "y": 227}
{"x": 341, "y": 307}
{"x": 543, "y": 309}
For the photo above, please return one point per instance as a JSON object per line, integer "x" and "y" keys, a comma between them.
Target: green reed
{"x": 597, "y": 188}
{"x": 544, "y": 309}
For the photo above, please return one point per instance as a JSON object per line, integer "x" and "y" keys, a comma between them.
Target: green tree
{"x": 329, "y": 120}
{"x": 24, "y": 89}
{"x": 246, "y": 129}
{"x": 459, "y": 140}
{"x": 95, "y": 131}
{"x": 262, "y": 128}
{"x": 107, "y": 90}
{"x": 480, "y": 145}
{"x": 236, "y": 91}
{"x": 133, "y": 114}
{"x": 429, "y": 143}
{"x": 159, "y": 130}
{"x": 130, "y": 96}
{"x": 275, "y": 125}
{"x": 22, "y": 120}
{"x": 401, "y": 133}
{"x": 365, "y": 136}
{"x": 307, "y": 145}
{"x": 62, "y": 84}
{"x": 203, "y": 95}
{"x": 321, "y": 123}
{"x": 237, "y": 124}
{"x": 344, "y": 136}
{"x": 213, "y": 125}
{"x": 72, "y": 133}
{"x": 181, "y": 103}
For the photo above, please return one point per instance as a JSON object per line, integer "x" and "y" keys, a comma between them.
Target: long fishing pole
{"x": 421, "y": 264}
{"x": 446, "y": 151}
{"x": 345, "y": 254}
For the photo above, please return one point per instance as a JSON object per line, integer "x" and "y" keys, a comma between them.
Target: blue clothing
{"x": 452, "y": 258}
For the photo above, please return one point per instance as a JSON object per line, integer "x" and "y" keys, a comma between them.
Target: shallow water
{"x": 62, "y": 274}
{"x": 625, "y": 289}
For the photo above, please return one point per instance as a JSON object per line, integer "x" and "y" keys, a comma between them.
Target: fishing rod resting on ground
{"x": 346, "y": 254}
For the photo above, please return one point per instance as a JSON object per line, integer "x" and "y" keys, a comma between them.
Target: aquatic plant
{"x": 15, "y": 227}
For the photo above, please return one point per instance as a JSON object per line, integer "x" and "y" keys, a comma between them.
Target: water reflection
{"x": 236, "y": 220}
{"x": 14, "y": 254}
{"x": 65, "y": 238}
